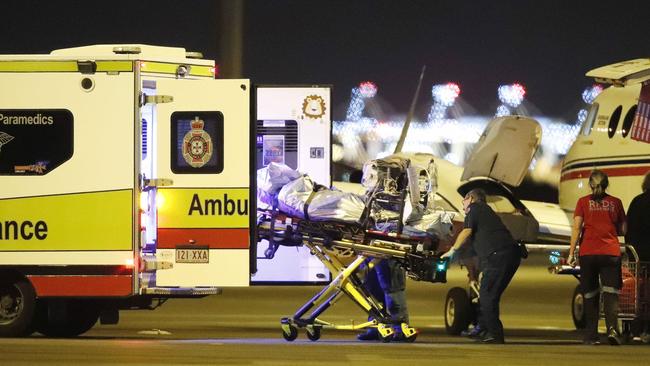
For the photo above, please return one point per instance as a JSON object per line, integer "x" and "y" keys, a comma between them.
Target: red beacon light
{"x": 367, "y": 89}
{"x": 519, "y": 89}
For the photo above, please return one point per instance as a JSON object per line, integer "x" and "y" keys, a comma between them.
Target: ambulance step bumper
{"x": 182, "y": 291}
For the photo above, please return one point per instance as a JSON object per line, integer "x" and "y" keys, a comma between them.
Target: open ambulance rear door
{"x": 196, "y": 181}
{"x": 293, "y": 127}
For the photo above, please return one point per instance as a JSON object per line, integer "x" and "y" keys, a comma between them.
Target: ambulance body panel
{"x": 125, "y": 177}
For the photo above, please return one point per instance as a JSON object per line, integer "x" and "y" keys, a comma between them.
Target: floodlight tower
{"x": 444, "y": 96}
{"x": 365, "y": 90}
{"x": 511, "y": 97}
{"x": 588, "y": 96}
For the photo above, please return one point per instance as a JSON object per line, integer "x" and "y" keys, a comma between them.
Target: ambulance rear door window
{"x": 197, "y": 142}
{"x": 35, "y": 141}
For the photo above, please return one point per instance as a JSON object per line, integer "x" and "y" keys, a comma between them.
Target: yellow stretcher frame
{"x": 345, "y": 282}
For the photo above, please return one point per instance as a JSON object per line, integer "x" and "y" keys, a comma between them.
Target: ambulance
{"x": 127, "y": 178}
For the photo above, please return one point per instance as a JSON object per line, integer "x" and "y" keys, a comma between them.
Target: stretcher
{"x": 344, "y": 248}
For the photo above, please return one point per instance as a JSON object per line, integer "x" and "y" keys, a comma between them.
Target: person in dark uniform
{"x": 638, "y": 221}
{"x": 638, "y": 236}
{"x": 499, "y": 257}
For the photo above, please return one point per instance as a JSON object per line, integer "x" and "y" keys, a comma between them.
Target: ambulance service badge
{"x": 197, "y": 145}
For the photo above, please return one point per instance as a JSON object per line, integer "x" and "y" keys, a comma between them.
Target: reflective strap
{"x": 611, "y": 290}
{"x": 62, "y": 66}
{"x": 591, "y": 294}
{"x": 170, "y": 68}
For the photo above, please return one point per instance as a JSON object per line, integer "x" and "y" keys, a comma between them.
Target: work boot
{"x": 591, "y": 341}
{"x": 614, "y": 337}
{"x": 491, "y": 339}
{"x": 474, "y": 333}
{"x": 371, "y": 334}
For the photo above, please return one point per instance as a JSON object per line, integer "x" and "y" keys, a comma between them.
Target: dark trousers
{"x": 498, "y": 269}
{"x": 597, "y": 270}
{"x": 386, "y": 282}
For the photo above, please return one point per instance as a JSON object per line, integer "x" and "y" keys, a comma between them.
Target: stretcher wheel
{"x": 289, "y": 332}
{"x": 645, "y": 338}
{"x": 313, "y": 333}
{"x": 410, "y": 339}
{"x": 409, "y": 334}
{"x": 458, "y": 311}
{"x": 386, "y": 339}
{"x": 578, "y": 308}
{"x": 386, "y": 332}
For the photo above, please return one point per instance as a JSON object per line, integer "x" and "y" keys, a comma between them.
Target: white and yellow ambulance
{"x": 125, "y": 178}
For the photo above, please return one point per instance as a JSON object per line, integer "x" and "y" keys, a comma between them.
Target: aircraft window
{"x": 627, "y": 122}
{"x": 613, "y": 121}
{"x": 591, "y": 117}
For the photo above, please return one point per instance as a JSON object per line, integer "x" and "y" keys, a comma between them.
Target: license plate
{"x": 192, "y": 255}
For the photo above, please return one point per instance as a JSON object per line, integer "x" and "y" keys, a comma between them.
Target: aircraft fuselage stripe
{"x": 596, "y": 164}
{"x": 611, "y": 172}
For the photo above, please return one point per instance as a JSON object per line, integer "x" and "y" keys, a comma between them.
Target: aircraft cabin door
{"x": 201, "y": 182}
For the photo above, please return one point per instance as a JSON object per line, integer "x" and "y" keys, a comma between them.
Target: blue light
{"x": 441, "y": 265}
{"x": 554, "y": 257}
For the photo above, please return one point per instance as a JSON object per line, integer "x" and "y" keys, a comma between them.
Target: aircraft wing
{"x": 554, "y": 226}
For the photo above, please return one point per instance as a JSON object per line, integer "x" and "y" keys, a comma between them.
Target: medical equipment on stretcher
{"x": 347, "y": 232}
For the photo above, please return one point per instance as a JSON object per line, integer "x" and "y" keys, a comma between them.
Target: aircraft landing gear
{"x": 458, "y": 311}
{"x": 578, "y": 308}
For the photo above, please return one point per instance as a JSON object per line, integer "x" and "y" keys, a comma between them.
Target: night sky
{"x": 545, "y": 45}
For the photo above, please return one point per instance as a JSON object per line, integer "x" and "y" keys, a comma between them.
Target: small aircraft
{"x": 614, "y": 138}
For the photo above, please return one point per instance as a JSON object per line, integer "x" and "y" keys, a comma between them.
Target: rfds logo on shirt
{"x": 603, "y": 205}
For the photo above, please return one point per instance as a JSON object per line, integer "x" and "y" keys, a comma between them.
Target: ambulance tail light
{"x": 144, "y": 202}
{"x": 143, "y": 219}
{"x": 160, "y": 201}
{"x": 215, "y": 71}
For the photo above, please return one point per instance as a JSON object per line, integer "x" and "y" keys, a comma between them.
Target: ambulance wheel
{"x": 17, "y": 304}
{"x": 458, "y": 311}
{"x": 313, "y": 333}
{"x": 578, "y": 308}
{"x": 67, "y": 318}
{"x": 289, "y": 332}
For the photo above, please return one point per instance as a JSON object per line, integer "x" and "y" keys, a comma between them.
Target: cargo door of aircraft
{"x": 294, "y": 127}
{"x": 200, "y": 181}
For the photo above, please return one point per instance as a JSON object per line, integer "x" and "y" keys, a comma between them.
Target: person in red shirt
{"x": 597, "y": 222}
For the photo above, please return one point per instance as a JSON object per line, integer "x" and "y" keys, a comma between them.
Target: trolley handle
{"x": 635, "y": 255}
